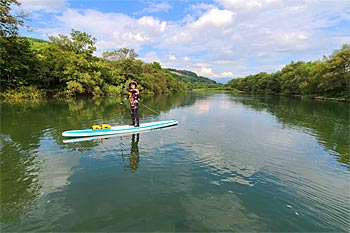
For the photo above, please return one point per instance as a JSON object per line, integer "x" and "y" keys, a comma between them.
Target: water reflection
{"x": 223, "y": 212}
{"x": 20, "y": 183}
{"x": 275, "y": 150}
{"x": 239, "y": 164}
{"x": 26, "y": 121}
{"x": 134, "y": 157}
{"x": 329, "y": 122}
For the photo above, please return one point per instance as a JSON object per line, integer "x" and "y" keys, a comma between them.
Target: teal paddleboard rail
{"x": 121, "y": 129}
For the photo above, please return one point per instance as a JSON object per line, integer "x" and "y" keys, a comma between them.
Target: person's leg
{"x": 136, "y": 114}
{"x": 132, "y": 116}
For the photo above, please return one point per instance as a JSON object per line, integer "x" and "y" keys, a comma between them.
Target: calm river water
{"x": 234, "y": 163}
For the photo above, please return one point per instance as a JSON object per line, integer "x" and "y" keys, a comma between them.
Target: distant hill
{"x": 223, "y": 80}
{"x": 37, "y": 40}
{"x": 192, "y": 80}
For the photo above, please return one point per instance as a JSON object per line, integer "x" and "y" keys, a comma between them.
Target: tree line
{"x": 66, "y": 66}
{"x": 327, "y": 77}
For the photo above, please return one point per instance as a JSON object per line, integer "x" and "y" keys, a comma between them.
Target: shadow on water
{"x": 327, "y": 121}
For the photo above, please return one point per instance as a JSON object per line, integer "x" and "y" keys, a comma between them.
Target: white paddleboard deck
{"x": 120, "y": 129}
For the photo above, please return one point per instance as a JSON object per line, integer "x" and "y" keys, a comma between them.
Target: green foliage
{"x": 23, "y": 92}
{"x": 73, "y": 88}
{"x": 66, "y": 67}
{"x": 16, "y": 62}
{"x": 330, "y": 77}
{"x": 336, "y": 76}
{"x": 79, "y": 42}
{"x": 110, "y": 90}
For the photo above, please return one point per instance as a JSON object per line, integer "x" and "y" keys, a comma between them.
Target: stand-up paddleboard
{"x": 105, "y": 137}
{"x": 120, "y": 129}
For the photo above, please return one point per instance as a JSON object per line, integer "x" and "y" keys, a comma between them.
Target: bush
{"x": 73, "y": 88}
{"x": 111, "y": 90}
{"x": 23, "y": 92}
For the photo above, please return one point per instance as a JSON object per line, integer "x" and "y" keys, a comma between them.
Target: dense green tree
{"x": 294, "y": 77}
{"x": 336, "y": 75}
{"x": 16, "y": 58}
{"x": 78, "y": 42}
{"x": 330, "y": 77}
{"x": 16, "y": 62}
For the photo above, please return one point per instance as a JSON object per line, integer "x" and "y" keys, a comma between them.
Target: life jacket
{"x": 133, "y": 95}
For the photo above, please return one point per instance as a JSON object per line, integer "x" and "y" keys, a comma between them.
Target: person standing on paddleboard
{"x": 133, "y": 96}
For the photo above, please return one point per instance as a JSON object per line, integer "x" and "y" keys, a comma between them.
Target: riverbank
{"x": 35, "y": 94}
{"x": 314, "y": 97}
{"x": 321, "y": 98}
{"x": 318, "y": 98}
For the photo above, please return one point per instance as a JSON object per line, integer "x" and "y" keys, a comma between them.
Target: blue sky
{"x": 219, "y": 39}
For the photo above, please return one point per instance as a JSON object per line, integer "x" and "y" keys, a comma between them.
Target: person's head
{"x": 133, "y": 84}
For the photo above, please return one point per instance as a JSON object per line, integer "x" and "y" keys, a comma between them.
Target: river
{"x": 233, "y": 163}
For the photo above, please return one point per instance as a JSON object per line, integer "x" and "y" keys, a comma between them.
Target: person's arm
{"x": 130, "y": 90}
{"x": 126, "y": 96}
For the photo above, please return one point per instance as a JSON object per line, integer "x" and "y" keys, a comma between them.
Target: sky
{"x": 218, "y": 39}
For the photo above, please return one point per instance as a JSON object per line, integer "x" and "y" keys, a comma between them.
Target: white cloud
{"x": 155, "y": 7}
{"x": 151, "y": 24}
{"x": 343, "y": 40}
{"x": 226, "y": 74}
{"x": 44, "y": 5}
{"x": 245, "y": 4}
{"x": 229, "y": 40}
{"x": 172, "y": 58}
{"x": 214, "y": 17}
{"x": 267, "y": 68}
{"x": 186, "y": 59}
{"x": 206, "y": 71}
{"x": 231, "y": 37}
{"x": 223, "y": 62}
{"x": 152, "y": 56}
{"x": 201, "y": 6}
{"x": 112, "y": 30}
{"x": 209, "y": 32}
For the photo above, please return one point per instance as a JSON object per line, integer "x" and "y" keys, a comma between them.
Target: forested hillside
{"x": 328, "y": 77}
{"x": 192, "y": 80}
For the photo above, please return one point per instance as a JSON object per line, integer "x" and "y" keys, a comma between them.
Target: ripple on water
{"x": 223, "y": 167}
{"x": 317, "y": 199}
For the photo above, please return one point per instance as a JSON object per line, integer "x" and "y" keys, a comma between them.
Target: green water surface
{"x": 234, "y": 163}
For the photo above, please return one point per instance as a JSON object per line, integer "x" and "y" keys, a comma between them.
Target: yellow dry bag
{"x": 95, "y": 127}
{"x": 106, "y": 126}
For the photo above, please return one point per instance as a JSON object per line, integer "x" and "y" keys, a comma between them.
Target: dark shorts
{"x": 134, "y": 106}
